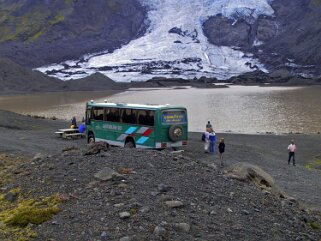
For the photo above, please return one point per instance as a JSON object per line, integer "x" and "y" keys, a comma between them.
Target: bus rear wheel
{"x": 129, "y": 144}
{"x": 91, "y": 139}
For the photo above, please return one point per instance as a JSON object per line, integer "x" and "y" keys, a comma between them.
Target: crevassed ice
{"x": 158, "y": 45}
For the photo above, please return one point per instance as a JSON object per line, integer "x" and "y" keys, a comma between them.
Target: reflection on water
{"x": 238, "y": 108}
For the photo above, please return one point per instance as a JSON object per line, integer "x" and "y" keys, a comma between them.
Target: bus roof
{"x": 135, "y": 106}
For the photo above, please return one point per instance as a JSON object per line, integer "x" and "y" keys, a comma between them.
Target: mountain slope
{"x": 140, "y": 39}
{"x": 15, "y": 78}
{"x": 36, "y": 32}
{"x": 289, "y": 39}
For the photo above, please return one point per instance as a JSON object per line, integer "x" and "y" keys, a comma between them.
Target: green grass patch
{"x": 314, "y": 225}
{"x": 16, "y": 217}
{"x": 133, "y": 211}
{"x": 18, "y": 211}
{"x": 57, "y": 19}
{"x": 315, "y": 164}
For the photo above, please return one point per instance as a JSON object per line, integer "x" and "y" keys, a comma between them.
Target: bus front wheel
{"x": 91, "y": 139}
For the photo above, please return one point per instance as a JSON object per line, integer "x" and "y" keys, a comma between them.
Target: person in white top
{"x": 292, "y": 149}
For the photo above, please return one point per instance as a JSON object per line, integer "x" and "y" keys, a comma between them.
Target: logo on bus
{"x": 174, "y": 118}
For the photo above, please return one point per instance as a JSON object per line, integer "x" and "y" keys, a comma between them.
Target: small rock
{"x": 174, "y": 204}
{"x": 107, "y": 174}
{"x": 124, "y": 215}
{"x": 69, "y": 148}
{"x": 96, "y": 148}
{"x": 212, "y": 165}
{"x": 11, "y": 197}
{"x": 230, "y": 210}
{"x": 118, "y": 205}
{"x": 144, "y": 209}
{"x": 37, "y": 157}
{"x": 154, "y": 194}
{"x": 183, "y": 227}
{"x": 245, "y": 212}
{"x": 159, "y": 231}
{"x": 126, "y": 238}
{"x": 122, "y": 185}
{"x": 257, "y": 210}
{"x": 163, "y": 188}
{"x": 213, "y": 212}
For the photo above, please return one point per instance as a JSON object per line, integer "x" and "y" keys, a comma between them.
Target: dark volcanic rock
{"x": 278, "y": 77}
{"x": 61, "y": 30}
{"x": 289, "y": 39}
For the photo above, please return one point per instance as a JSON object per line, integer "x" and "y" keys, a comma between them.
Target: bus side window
{"x": 146, "y": 117}
{"x": 112, "y": 114}
{"x": 129, "y": 116}
{"x": 142, "y": 117}
{"x": 150, "y": 118}
{"x": 108, "y": 114}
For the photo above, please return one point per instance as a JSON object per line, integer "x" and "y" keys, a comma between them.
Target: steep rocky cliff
{"x": 290, "y": 39}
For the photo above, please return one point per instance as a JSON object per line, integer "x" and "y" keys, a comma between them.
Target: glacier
{"x": 173, "y": 46}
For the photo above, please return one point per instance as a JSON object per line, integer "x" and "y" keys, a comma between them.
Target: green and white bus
{"x": 136, "y": 125}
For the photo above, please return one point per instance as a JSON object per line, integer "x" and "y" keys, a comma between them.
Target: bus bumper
{"x": 170, "y": 144}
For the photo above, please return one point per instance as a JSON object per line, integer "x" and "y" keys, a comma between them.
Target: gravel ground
{"x": 134, "y": 206}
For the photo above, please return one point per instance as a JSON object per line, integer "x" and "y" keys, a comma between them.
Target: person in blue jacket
{"x": 212, "y": 140}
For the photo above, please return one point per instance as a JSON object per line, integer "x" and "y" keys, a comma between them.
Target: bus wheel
{"x": 91, "y": 139}
{"x": 176, "y": 133}
{"x": 129, "y": 144}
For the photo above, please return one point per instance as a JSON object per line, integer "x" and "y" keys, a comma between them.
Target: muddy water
{"x": 238, "y": 108}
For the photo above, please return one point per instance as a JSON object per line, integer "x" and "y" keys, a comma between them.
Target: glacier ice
{"x": 173, "y": 46}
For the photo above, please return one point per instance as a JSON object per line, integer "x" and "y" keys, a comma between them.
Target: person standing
{"x": 208, "y": 125}
{"x": 73, "y": 123}
{"x": 206, "y": 139}
{"x": 292, "y": 149}
{"x": 212, "y": 140}
{"x": 221, "y": 148}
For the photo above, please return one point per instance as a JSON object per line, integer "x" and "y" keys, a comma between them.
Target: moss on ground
{"x": 33, "y": 23}
{"x": 315, "y": 164}
{"x": 18, "y": 211}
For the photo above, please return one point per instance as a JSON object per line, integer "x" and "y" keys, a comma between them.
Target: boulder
{"x": 251, "y": 173}
{"x": 96, "y": 148}
{"x": 107, "y": 174}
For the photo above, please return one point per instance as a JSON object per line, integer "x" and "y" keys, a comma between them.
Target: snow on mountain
{"x": 173, "y": 46}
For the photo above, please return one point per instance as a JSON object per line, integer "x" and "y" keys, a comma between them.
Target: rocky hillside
{"x": 288, "y": 40}
{"x": 151, "y": 195}
{"x": 15, "y": 78}
{"x": 35, "y": 33}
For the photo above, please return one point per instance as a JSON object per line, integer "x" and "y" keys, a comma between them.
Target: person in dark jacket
{"x": 221, "y": 148}
{"x": 74, "y": 123}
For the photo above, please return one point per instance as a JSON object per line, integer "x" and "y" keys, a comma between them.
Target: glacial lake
{"x": 243, "y": 109}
